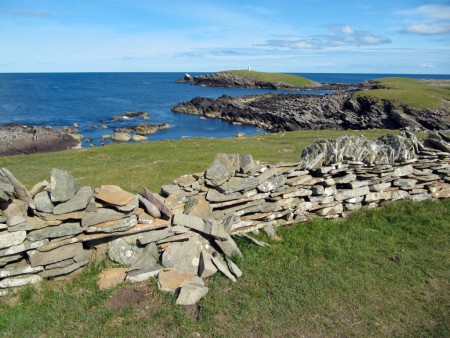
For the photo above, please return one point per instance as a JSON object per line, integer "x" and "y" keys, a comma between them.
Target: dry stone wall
{"x": 185, "y": 233}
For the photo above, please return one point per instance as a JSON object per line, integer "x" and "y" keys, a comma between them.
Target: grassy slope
{"x": 155, "y": 163}
{"x": 271, "y": 77}
{"x": 379, "y": 273}
{"x": 418, "y": 93}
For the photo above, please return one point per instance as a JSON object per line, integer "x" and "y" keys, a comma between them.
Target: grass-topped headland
{"x": 423, "y": 94}
{"x": 294, "y": 80}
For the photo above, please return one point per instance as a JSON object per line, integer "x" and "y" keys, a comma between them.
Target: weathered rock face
{"x": 288, "y": 112}
{"x": 19, "y": 140}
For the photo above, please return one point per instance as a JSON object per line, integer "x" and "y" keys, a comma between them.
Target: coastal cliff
{"x": 289, "y": 112}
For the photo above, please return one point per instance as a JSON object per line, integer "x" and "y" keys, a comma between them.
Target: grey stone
{"x": 272, "y": 184}
{"x": 403, "y": 171}
{"x": 198, "y": 206}
{"x": 63, "y": 186}
{"x": 121, "y": 252}
{"x": 132, "y": 205}
{"x": 113, "y": 226}
{"x": 215, "y": 196}
{"x": 25, "y": 246}
{"x": 229, "y": 247}
{"x": 147, "y": 258}
{"x": 421, "y": 197}
{"x": 235, "y": 184}
{"x": 345, "y": 179}
{"x": 169, "y": 189}
{"x": 60, "y": 264}
{"x": 317, "y": 190}
{"x": 102, "y": 215}
{"x": 347, "y": 194}
{"x": 59, "y": 254}
{"x": 151, "y": 209}
{"x": 32, "y": 223}
{"x": 191, "y": 293}
{"x": 43, "y": 202}
{"x": 222, "y": 267}
{"x": 62, "y": 271}
{"x": 377, "y": 196}
{"x": 19, "y": 190}
{"x": 6, "y": 191}
{"x": 8, "y": 259}
{"x": 185, "y": 256}
{"x": 10, "y": 239}
{"x": 404, "y": 183}
{"x": 19, "y": 269}
{"x": 246, "y": 164}
{"x": 157, "y": 235}
{"x": 331, "y": 210}
{"x": 20, "y": 281}
{"x": 78, "y": 202}
{"x": 137, "y": 276}
{"x": 206, "y": 267}
{"x": 65, "y": 229}
{"x": 223, "y": 167}
{"x": 380, "y": 186}
{"x": 234, "y": 269}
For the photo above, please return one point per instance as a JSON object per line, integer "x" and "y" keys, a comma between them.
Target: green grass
{"x": 294, "y": 80}
{"x": 153, "y": 164}
{"x": 426, "y": 94}
{"x": 380, "y": 273}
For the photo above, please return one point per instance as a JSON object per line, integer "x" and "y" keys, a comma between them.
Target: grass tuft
{"x": 298, "y": 81}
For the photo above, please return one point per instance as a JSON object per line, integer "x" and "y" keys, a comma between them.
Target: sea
{"x": 91, "y": 100}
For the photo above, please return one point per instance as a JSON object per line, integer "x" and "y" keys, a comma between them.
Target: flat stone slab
{"x": 100, "y": 216}
{"x": 191, "y": 293}
{"x": 78, "y": 202}
{"x": 114, "y": 195}
{"x": 151, "y": 209}
{"x": 19, "y": 269}
{"x": 141, "y": 275}
{"x": 113, "y": 226}
{"x": 10, "y": 239}
{"x": 171, "y": 279}
{"x": 64, "y": 252}
{"x": 20, "y": 281}
{"x": 111, "y": 277}
{"x": 65, "y": 229}
{"x": 120, "y": 251}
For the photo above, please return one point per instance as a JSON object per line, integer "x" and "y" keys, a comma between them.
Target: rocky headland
{"x": 229, "y": 80}
{"x": 19, "y": 140}
{"x": 341, "y": 110}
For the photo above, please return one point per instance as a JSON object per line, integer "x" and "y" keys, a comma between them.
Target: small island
{"x": 263, "y": 80}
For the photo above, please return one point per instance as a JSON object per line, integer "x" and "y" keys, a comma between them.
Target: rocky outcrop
{"x": 186, "y": 233}
{"x": 18, "y": 140}
{"x": 288, "y": 112}
{"x": 229, "y": 80}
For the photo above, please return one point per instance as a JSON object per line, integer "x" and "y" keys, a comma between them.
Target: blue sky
{"x": 382, "y": 36}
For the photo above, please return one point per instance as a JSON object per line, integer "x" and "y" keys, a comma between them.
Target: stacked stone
{"x": 48, "y": 232}
{"x": 185, "y": 233}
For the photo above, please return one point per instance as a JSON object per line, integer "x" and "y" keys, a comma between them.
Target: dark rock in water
{"x": 288, "y": 112}
{"x": 19, "y": 140}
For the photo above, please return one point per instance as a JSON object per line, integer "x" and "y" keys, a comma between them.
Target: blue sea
{"x": 92, "y": 99}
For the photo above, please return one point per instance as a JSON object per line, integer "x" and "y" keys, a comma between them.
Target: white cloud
{"x": 432, "y": 11}
{"x": 426, "y": 29}
{"x": 427, "y": 65}
{"x": 343, "y": 36}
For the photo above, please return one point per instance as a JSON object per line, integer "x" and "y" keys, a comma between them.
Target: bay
{"x": 92, "y": 99}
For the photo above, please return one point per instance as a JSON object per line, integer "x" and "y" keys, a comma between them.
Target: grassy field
{"x": 378, "y": 273}
{"x": 425, "y": 94}
{"x": 271, "y": 77}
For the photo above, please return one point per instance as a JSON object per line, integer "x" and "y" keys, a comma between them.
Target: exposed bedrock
{"x": 288, "y": 112}
{"x": 17, "y": 140}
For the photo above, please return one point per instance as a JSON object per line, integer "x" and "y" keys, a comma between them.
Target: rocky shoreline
{"x": 228, "y": 80}
{"x": 290, "y": 112}
{"x": 22, "y": 140}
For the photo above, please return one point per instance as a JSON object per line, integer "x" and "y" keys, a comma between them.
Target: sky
{"x": 300, "y": 36}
